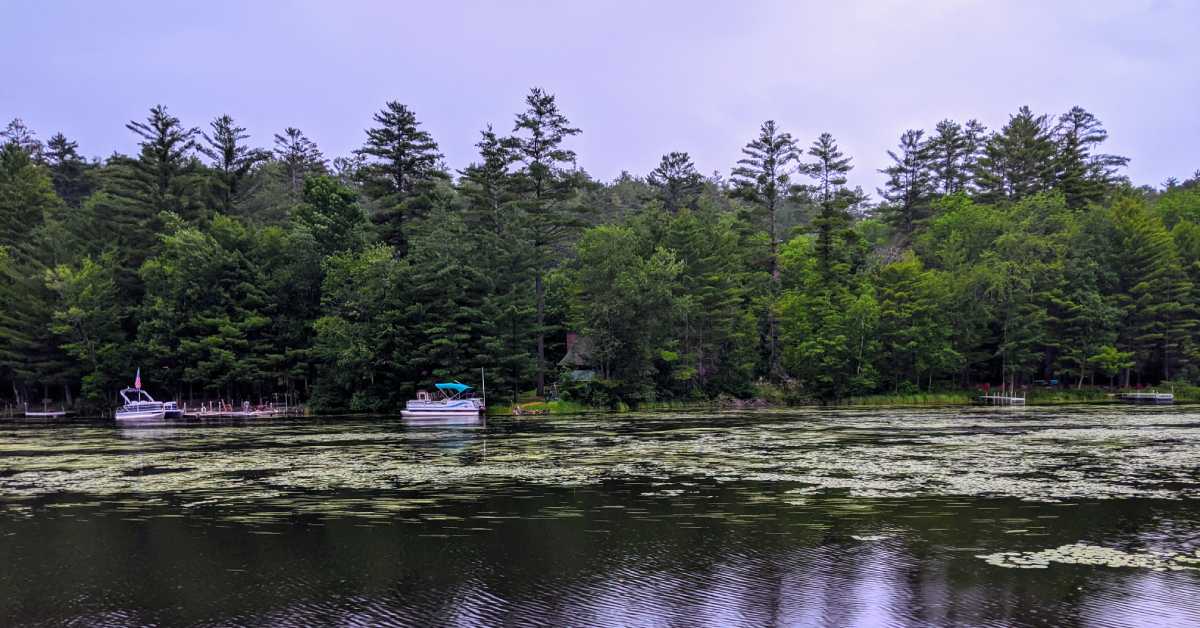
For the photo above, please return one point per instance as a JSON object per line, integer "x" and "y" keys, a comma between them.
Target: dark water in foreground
{"x": 886, "y": 517}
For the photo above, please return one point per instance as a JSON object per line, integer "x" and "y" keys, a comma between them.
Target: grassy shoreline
{"x": 1036, "y": 397}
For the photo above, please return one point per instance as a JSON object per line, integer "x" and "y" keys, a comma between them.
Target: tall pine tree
{"x": 908, "y": 191}
{"x": 548, "y": 182}
{"x": 1084, "y": 176}
{"x": 402, "y": 162}
{"x": 763, "y": 176}
{"x": 232, "y": 162}
{"x": 676, "y": 180}
{"x": 1019, "y": 161}
{"x": 300, "y": 158}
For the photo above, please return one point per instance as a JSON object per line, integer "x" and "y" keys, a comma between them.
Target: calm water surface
{"x": 1064, "y": 516}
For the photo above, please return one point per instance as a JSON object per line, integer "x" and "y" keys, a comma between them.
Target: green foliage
{"x": 331, "y": 216}
{"x": 87, "y": 318}
{"x": 1110, "y": 361}
{"x": 360, "y": 337}
{"x": 1017, "y": 256}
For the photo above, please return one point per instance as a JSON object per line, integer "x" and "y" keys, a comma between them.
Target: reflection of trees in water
{"x": 466, "y": 439}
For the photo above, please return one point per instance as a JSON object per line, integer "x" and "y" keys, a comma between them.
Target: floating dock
{"x": 1155, "y": 398}
{"x": 999, "y": 400}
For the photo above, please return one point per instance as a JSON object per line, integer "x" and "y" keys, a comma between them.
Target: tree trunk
{"x": 541, "y": 334}
{"x": 774, "y": 370}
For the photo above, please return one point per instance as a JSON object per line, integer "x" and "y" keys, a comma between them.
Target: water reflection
{"x": 723, "y": 557}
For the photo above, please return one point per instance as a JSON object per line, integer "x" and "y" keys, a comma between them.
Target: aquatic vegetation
{"x": 1084, "y": 554}
{"x": 310, "y": 466}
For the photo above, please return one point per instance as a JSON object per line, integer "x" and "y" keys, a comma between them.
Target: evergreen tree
{"x": 232, "y": 162}
{"x": 909, "y": 188}
{"x": 68, "y": 170}
{"x": 401, "y": 163}
{"x": 17, "y": 133}
{"x": 548, "y": 183}
{"x": 490, "y": 192}
{"x": 834, "y": 236}
{"x": 953, "y": 150}
{"x": 715, "y": 329}
{"x": 1084, "y": 177}
{"x": 448, "y": 308}
{"x": 487, "y": 184}
{"x": 677, "y": 181}
{"x": 1019, "y": 161}
{"x": 1159, "y": 316}
{"x": 300, "y": 158}
{"x": 165, "y": 176}
{"x": 763, "y": 176}
{"x": 28, "y": 352}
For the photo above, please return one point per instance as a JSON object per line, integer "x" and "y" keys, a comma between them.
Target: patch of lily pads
{"x": 1040, "y": 455}
{"x": 1094, "y": 555}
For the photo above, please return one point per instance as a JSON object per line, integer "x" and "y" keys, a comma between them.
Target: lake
{"x": 984, "y": 517}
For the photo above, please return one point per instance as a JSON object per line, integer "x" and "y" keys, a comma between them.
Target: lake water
{"x": 992, "y": 517}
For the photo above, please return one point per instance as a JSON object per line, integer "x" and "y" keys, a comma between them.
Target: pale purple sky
{"x": 640, "y": 78}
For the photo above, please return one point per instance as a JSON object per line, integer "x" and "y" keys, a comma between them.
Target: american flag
{"x": 137, "y": 380}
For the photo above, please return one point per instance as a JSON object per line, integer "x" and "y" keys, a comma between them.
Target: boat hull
{"x": 473, "y": 413}
{"x": 423, "y": 409}
{"x": 142, "y": 415}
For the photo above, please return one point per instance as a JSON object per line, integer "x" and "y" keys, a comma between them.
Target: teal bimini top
{"x": 455, "y": 386}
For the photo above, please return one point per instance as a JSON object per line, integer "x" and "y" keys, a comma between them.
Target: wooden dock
{"x": 222, "y": 410}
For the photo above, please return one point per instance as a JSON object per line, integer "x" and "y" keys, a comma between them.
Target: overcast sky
{"x": 640, "y": 78}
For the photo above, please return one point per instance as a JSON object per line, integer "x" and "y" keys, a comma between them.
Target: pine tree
{"x": 232, "y": 162}
{"x": 1084, "y": 177}
{"x": 763, "y": 176}
{"x": 165, "y": 175}
{"x": 491, "y": 191}
{"x": 909, "y": 189}
{"x": 401, "y": 162}
{"x": 300, "y": 158}
{"x": 449, "y": 309}
{"x": 953, "y": 151}
{"x": 17, "y": 133}
{"x": 1159, "y": 316}
{"x": 70, "y": 173}
{"x": 715, "y": 330}
{"x": 28, "y": 352}
{"x": 487, "y": 184}
{"x": 677, "y": 181}
{"x": 548, "y": 182}
{"x": 832, "y": 225}
{"x": 1019, "y": 161}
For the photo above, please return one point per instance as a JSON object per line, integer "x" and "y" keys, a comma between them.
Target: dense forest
{"x": 222, "y": 269}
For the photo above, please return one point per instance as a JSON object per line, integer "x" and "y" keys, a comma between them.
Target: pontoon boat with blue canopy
{"x": 457, "y": 401}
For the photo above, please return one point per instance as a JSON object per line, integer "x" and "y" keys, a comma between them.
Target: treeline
{"x": 225, "y": 270}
